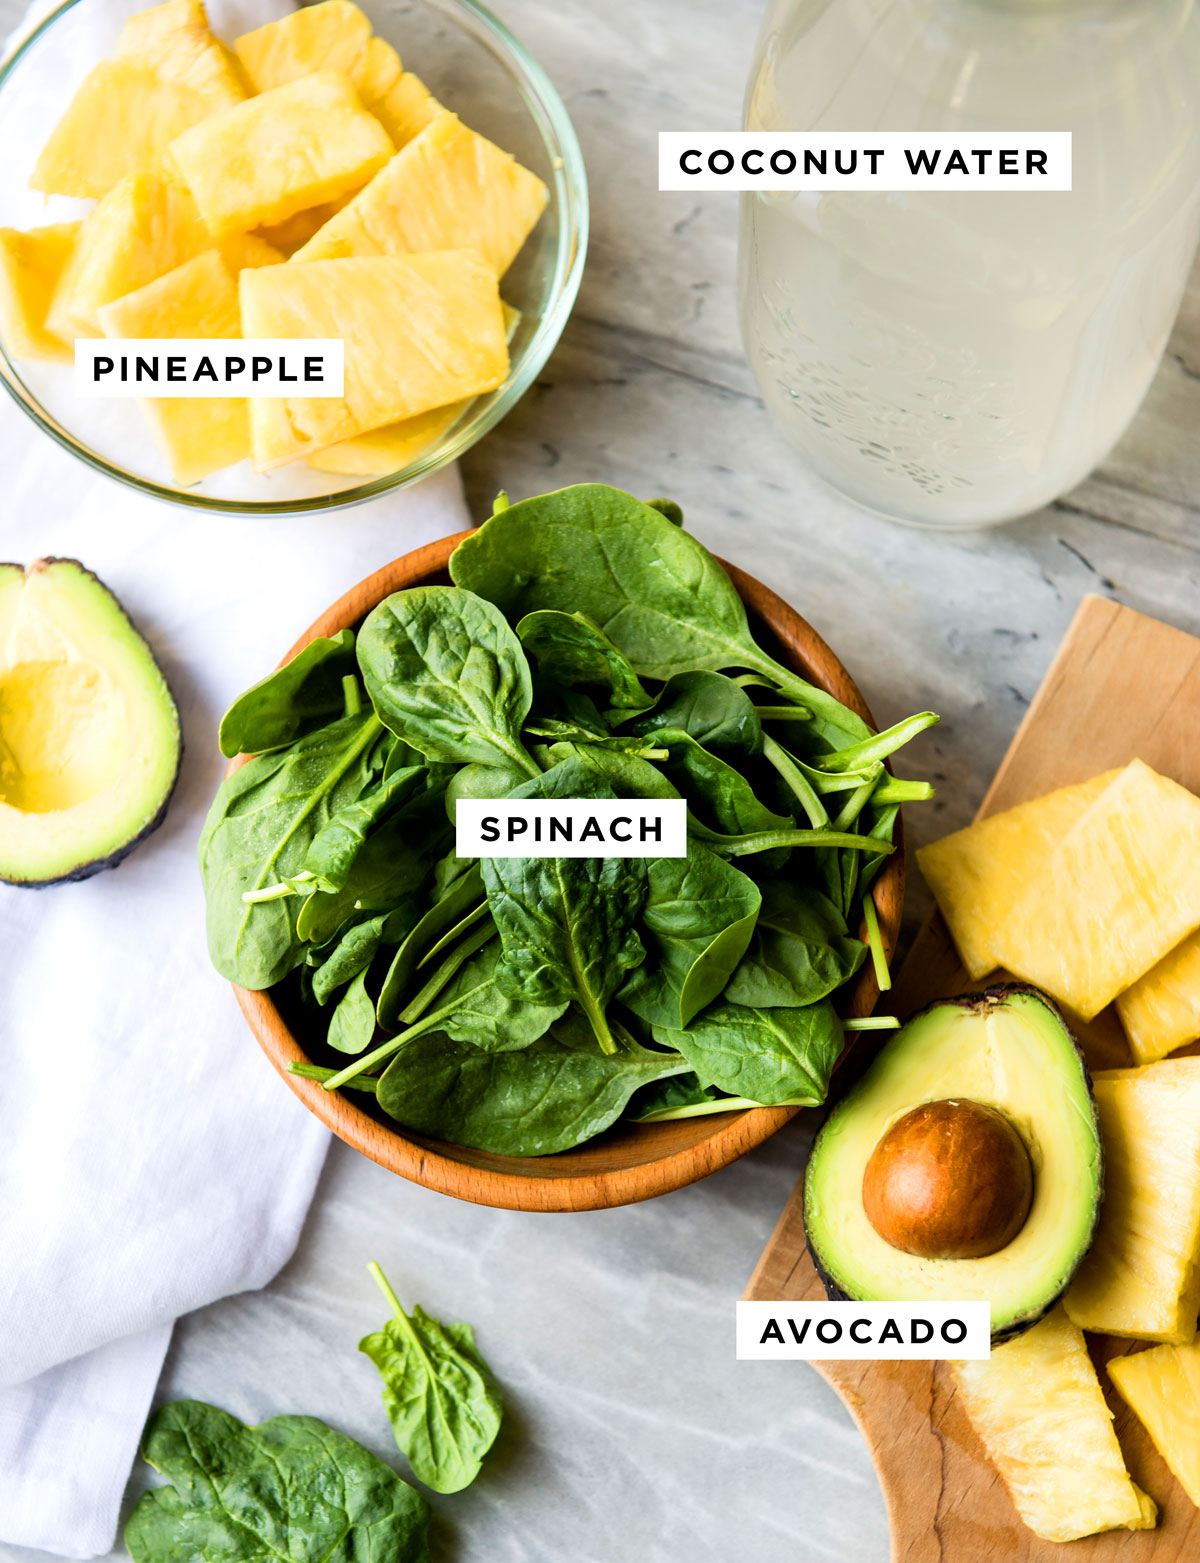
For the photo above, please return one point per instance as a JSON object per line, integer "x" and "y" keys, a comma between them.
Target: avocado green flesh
{"x": 1010, "y": 1050}
{"x": 89, "y": 733}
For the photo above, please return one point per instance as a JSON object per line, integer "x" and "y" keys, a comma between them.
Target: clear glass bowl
{"x": 473, "y": 65}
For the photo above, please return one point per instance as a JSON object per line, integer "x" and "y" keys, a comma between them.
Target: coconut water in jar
{"x": 962, "y": 358}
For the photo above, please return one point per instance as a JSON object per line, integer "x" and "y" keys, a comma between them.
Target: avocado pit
{"x": 949, "y": 1180}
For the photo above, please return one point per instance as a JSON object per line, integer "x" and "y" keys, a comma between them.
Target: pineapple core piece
{"x": 198, "y": 435}
{"x": 419, "y": 331}
{"x": 977, "y": 873}
{"x": 30, "y": 266}
{"x": 406, "y": 108}
{"x": 448, "y": 189}
{"x": 1162, "y": 1389}
{"x": 1161, "y": 1011}
{"x": 167, "y": 74}
{"x": 275, "y": 155}
{"x": 1039, "y": 1411}
{"x": 331, "y": 36}
{"x": 1141, "y": 1277}
{"x": 1117, "y": 893}
{"x": 142, "y": 228}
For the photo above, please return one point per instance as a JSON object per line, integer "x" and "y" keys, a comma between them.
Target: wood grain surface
{"x": 1122, "y": 687}
{"x": 630, "y": 1162}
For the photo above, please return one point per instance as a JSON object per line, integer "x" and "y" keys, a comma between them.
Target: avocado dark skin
{"x": 977, "y": 1002}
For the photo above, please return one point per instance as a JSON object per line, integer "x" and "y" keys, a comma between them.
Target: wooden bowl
{"x": 629, "y": 1162}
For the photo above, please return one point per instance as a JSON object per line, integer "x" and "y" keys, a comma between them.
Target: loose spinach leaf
{"x": 800, "y": 952}
{"x": 550, "y": 1096}
{"x": 352, "y": 1024}
{"x": 708, "y": 707}
{"x": 571, "y": 650}
{"x": 651, "y": 587}
{"x": 458, "y": 898}
{"x": 699, "y": 918}
{"x": 719, "y": 794}
{"x": 441, "y": 1399}
{"x": 567, "y": 924}
{"x": 447, "y": 675}
{"x": 334, "y": 849}
{"x": 355, "y": 948}
{"x": 296, "y": 699}
{"x": 767, "y": 1055}
{"x": 257, "y": 834}
{"x": 481, "y": 781}
{"x": 289, "y": 1488}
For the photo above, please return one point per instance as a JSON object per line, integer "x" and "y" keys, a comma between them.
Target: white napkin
{"x": 151, "y": 1159}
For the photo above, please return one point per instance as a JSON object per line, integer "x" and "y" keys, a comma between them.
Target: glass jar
{"x": 958, "y": 359}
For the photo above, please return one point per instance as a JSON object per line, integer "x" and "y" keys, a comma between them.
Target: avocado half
{"x": 1009, "y": 1049}
{"x": 89, "y": 732}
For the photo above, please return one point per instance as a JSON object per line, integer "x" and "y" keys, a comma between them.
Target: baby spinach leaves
{"x": 441, "y": 1399}
{"x": 589, "y": 649}
{"x": 289, "y": 1488}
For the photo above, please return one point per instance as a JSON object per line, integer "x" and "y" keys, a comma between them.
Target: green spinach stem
{"x": 351, "y": 695}
{"x": 473, "y": 942}
{"x": 797, "y": 781}
{"x": 875, "y": 939}
{"x": 768, "y": 840}
{"x": 880, "y": 745}
{"x": 316, "y": 1072}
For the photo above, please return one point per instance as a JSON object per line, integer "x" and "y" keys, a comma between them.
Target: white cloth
{"x": 151, "y": 1161}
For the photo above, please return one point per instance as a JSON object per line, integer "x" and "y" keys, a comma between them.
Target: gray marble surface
{"x": 632, "y": 1433}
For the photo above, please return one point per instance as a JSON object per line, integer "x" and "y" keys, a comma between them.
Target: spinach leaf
{"x": 334, "y": 849}
{"x": 481, "y": 781}
{"x": 355, "y": 948}
{"x": 651, "y": 587}
{"x": 352, "y": 1024}
{"x": 768, "y": 1055}
{"x": 699, "y": 916}
{"x": 296, "y": 699}
{"x": 257, "y": 834}
{"x": 708, "y": 707}
{"x": 670, "y": 1095}
{"x": 720, "y": 795}
{"x": 441, "y": 1399}
{"x": 550, "y": 1096}
{"x": 571, "y": 650}
{"x": 800, "y": 952}
{"x": 567, "y": 924}
{"x": 447, "y": 675}
{"x": 459, "y": 897}
{"x": 289, "y": 1488}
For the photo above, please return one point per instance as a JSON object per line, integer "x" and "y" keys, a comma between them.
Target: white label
{"x": 879, "y": 160}
{"x": 571, "y": 827}
{"x": 856, "y": 1332}
{"x": 207, "y": 366}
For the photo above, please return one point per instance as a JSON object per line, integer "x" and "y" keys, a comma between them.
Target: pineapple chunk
{"x": 419, "y": 331}
{"x": 288, "y": 236}
{"x": 1141, "y": 1277}
{"x": 142, "y": 228}
{"x": 1038, "y": 1409}
{"x": 248, "y": 249}
{"x": 977, "y": 873}
{"x": 275, "y": 155}
{"x": 30, "y": 266}
{"x": 391, "y": 447}
{"x": 331, "y": 36}
{"x": 1161, "y": 1387}
{"x": 448, "y": 189}
{"x": 1118, "y": 892}
{"x": 382, "y": 71}
{"x": 168, "y": 73}
{"x": 198, "y": 435}
{"x": 406, "y": 108}
{"x": 1161, "y": 1011}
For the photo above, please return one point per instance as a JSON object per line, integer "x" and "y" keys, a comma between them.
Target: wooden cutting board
{"x": 1121, "y": 687}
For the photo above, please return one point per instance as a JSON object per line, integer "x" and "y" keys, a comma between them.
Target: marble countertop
{"x": 631, "y": 1431}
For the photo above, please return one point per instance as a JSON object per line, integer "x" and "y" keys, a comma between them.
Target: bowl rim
{"x": 568, "y": 178}
{"x": 423, "y": 1161}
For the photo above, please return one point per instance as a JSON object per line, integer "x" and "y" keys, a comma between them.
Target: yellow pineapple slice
{"x": 249, "y": 249}
{"x": 396, "y": 444}
{"x": 382, "y": 71}
{"x": 30, "y": 266}
{"x": 1161, "y": 1011}
{"x": 168, "y": 73}
{"x": 448, "y": 189}
{"x": 143, "y": 227}
{"x": 198, "y": 435}
{"x": 419, "y": 331}
{"x": 1040, "y": 1413}
{"x": 281, "y": 152}
{"x": 976, "y": 874}
{"x": 296, "y": 231}
{"x": 331, "y": 36}
{"x": 1117, "y": 893}
{"x": 1141, "y": 1277}
{"x": 406, "y": 108}
{"x": 1161, "y": 1387}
